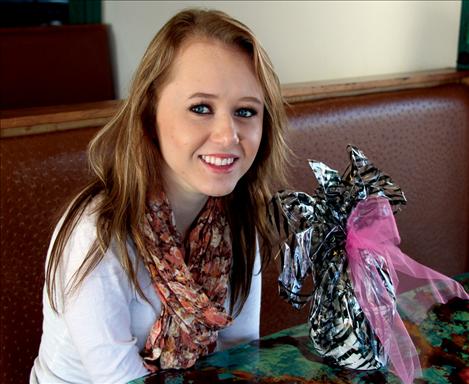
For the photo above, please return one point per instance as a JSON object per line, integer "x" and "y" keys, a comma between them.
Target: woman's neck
{"x": 186, "y": 207}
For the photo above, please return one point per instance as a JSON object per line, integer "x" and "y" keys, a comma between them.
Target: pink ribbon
{"x": 373, "y": 239}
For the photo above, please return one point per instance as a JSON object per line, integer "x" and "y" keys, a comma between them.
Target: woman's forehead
{"x": 209, "y": 65}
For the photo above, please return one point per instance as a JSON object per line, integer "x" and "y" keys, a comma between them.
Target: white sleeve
{"x": 97, "y": 315}
{"x": 245, "y": 326}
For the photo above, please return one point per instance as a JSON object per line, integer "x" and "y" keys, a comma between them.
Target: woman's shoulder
{"x": 81, "y": 224}
{"x": 84, "y": 218}
{"x": 83, "y": 238}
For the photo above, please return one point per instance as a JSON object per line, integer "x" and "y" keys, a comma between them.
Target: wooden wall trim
{"x": 30, "y": 121}
{"x": 299, "y": 92}
{"x": 48, "y": 119}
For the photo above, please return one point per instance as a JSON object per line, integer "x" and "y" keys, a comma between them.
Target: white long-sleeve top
{"x": 97, "y": 337}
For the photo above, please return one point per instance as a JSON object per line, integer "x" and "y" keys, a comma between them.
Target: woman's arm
{"x": 98, "y": 317}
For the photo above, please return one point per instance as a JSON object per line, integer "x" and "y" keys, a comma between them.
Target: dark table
{"x": 442, "y": 340}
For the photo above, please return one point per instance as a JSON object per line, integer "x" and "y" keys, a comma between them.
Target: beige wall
{"x": 309, "y": 40}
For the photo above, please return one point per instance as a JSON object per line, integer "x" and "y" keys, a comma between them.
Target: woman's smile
{"x": 222, "y": 163}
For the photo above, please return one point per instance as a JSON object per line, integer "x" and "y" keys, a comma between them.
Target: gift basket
{"x": 345, "y": 238}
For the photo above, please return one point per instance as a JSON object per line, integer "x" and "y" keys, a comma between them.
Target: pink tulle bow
{"x": 372, "y": 240}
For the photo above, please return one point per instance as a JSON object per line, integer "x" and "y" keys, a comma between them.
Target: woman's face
{"x": 209, "y": 119}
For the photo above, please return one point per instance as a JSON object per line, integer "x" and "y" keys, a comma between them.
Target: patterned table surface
{"x": 442, "y": 339}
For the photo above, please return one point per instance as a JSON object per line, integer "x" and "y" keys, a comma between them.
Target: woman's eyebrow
{"x": 203, "y": 95}
{"x": 252, "y": 99}
{"x": 213, "y": 96}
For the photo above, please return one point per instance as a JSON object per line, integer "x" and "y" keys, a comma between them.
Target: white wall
{"x": 309, "y": 40}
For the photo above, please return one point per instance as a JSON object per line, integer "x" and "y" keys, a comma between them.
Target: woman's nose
{"x": 225, "y": 132}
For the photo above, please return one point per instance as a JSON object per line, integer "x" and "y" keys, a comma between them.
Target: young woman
{"x": 157, "y": 261}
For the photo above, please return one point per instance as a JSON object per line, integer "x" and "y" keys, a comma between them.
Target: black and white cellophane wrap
{"x": 312, "y": 234}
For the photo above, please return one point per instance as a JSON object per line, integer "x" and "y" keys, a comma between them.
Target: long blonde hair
{"x": 124, "y": 159}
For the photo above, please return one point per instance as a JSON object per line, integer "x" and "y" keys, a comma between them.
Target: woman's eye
{"x": 200, "y": 109}
{"x": 245, "y": 112}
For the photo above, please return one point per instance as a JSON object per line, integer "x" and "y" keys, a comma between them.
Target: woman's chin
{"x": 219, "y": 191}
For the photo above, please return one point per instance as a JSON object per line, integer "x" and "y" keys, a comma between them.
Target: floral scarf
{"x": 193, "y": 293}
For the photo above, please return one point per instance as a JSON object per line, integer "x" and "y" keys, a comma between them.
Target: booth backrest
{"x": 419, "y": 136}
{"x": 38, "y": 174}
{"x": 55, "y": 65}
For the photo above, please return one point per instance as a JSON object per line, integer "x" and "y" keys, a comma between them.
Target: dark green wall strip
{"x": 463, "y": 47}
{"x": 85, "y": 11}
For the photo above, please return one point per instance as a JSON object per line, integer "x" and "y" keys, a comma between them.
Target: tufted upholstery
{"x": 38, "y": 174}
{"x": 420, "y": 137}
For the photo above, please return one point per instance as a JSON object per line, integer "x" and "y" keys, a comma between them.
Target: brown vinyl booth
{"x": 55, "y": 65}
{"x": 414, "y": 127}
